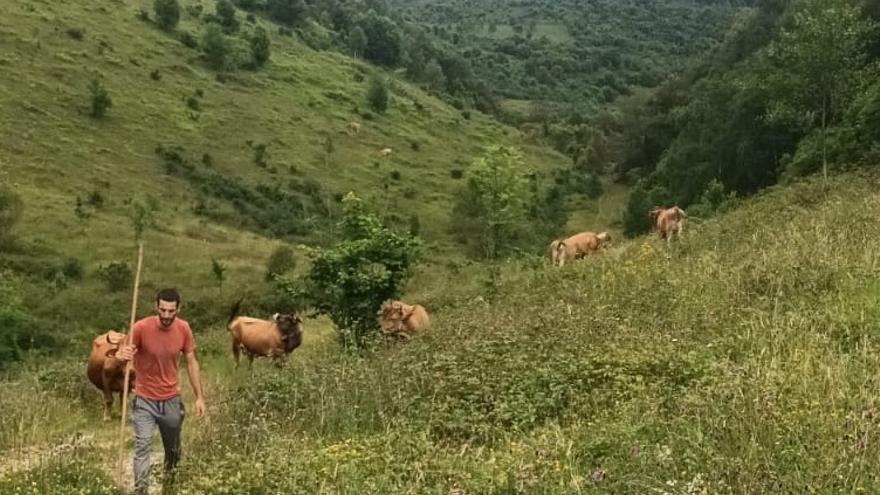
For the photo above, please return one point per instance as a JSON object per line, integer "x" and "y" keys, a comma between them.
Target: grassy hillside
{"x": 186, "y": 139}
{"x": 743, "y": 360}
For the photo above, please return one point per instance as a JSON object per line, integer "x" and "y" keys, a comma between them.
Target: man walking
{"x": 156, "y": 345}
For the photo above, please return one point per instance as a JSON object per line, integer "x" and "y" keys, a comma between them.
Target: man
{"x": 156, "y": 344}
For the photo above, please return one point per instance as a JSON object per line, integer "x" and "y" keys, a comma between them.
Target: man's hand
{"x": 200, "y": 408}
{"x": 126, "y": 352}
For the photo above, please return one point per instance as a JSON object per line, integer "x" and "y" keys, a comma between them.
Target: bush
{"x": 280, "y": 262}
{"x": 188, "y": 40}
{"x": 414, "y": 145}
{"x": 95, "y": 199}
{"x": 167, "y": 13}
{"x": 100, "y": 99}
{"x": 207, "y": 160}
{"x": 215, "y": 47}
{"x": 117, "y": 275}
{"x": 377, "y": 94}
{"x": 193, "y": 103}
{"x": 155, "y": 75}
{"x": 456, "y": 173}
{"x": 10, "y": 213}
{"x": 226, "y": 16}
{"x": 75, "y": 33}
{"x": 289, "y": 12}
{"x": 350, "y": 281}
{"x": 72, "y": 269}
{"x": 395, "y": 175}
{"x": 260, "y": 47}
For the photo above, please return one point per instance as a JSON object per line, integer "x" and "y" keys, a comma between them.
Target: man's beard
{"x": 166, "y": 322}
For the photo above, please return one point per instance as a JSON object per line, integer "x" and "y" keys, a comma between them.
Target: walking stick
{"x": 127, "y": 341}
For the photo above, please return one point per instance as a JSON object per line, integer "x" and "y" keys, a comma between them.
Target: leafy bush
{"x": 117, "y": 275}
{"x": 350, "y": 281}
{"x": 167, "y": 13}
{"x": 260, "y": 47}
{"x": 75, "y": 33}
{"x": 377, "y": 94}
{"x": 72, "y": 269}
{"x": 215, "y": 47}
{"x": 226, "y": 16}
{"x": 100, "y": 98}
{"x": 188, "y": 40}
{"x": 156, "y": 75}
{"x": 281, "y": 261}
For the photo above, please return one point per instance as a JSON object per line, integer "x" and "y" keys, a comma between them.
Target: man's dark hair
{"x": 168, "y": 295}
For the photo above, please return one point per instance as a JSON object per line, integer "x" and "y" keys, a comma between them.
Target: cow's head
{"x": 114, "y": 345}
{"x": 391, "y": 315}
{"x": 604, "y": 238}
{"x": 656, "y": 211}
{"x": 287, "y": 323}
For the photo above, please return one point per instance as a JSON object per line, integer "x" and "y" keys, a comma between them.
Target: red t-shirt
{"x": 158, "y": 356}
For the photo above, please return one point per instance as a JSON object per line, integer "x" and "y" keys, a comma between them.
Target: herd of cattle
{"x": 279, "y": 336}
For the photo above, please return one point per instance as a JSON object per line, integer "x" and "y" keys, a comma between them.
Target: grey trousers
{"x": 146, "y": 414}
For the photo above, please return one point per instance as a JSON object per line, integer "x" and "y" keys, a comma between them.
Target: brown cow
{"x": 107, "y": 372}
{"x": 668, "y": 221}
{"x": 354, "y": 127}
{"x": 403, "y": 320}
{"x": 385, "y": 152}
{"x": 275, "y": 338}
{"x": 577, "y": 246}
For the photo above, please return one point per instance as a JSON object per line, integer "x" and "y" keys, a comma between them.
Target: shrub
{"x": 188, "y": 40}
{"x": 193, "y": 103}
{"x": 350, "y": 281}
{"x": 281, "y": 261}
{"x": 155, "y": 75}
{"x": 75, "y": 33}
{"x": 414, "y": 145}
{"x": 195, "y": 10}
{"x": 377, "y": 94}
{"x": 395, "y": 175}
{"x": 260, "y": 47}
{"x": 117, "y": 275}
{"x": 95, "y": 199}
{"x": 167, "y": 13}
{"x": 100, "y": 99}
{"x": 10, "y": 213}
{"x": 466, "y": 114}
{"x": 215, "y": 47}
{"x": 143, "y": 15}
{"x": 72, "y": 269}
{"x": 226, "y": 16}
{"x": 456, "y": 173}
{"x": 207, "y": 160}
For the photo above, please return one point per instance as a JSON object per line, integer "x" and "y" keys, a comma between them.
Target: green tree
{"x": 226, "y": 16}
{"x": 377, "y": 94}
{"x": 290, "y": 12}
{"x": 817, "y": 59}
{"x": 100, "y": 98}
{"x": 167, "y": 13}
{"x": 491, "y": 212}
{"x": 281, "y": 261}
{"x": 260, "y": 46}
{"x": 357, "y": 41}
{"x": 215, "y": 46}
{"x": 350, "y": 281}
{"x": 433, "y": 76}
{"x": 384, "y": 42}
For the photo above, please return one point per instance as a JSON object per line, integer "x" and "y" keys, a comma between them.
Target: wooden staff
{"x": 126, "y": 341}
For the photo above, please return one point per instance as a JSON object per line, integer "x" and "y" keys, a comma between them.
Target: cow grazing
{"x": 354, "y": 127}
{"x": 403, "y": 320}
{"x": 275, "y": 338}
{"x": 105, "y": 371}
{"x": 577, "y": 246}
{"x": 385, "y": 152}
{"x": 668, "y": 221}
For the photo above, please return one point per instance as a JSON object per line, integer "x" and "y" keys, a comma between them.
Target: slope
{"x": 743, "y": 360}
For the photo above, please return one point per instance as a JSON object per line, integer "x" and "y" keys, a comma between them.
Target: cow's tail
{"x": 560, "y": 253}
{"x": 234, "y": 312}
{"x": 681, "y": 212}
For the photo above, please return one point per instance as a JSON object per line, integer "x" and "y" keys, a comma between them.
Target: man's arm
{"x": 195, "y": 380}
